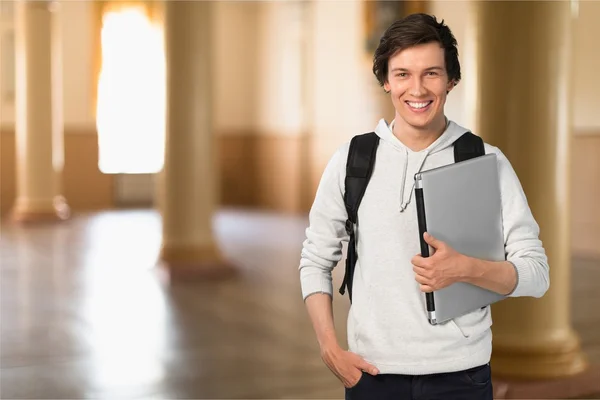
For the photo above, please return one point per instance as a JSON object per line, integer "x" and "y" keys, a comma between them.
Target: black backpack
{"x": 359, "y": 166}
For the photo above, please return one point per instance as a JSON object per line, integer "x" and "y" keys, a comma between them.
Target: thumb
{"x": 433, "y": 242}
{"x": 368, "y": 368}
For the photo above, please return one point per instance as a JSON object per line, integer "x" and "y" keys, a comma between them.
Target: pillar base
{"x": 548, "y": 357}
{"x": 26, "y": 211}
{"x": 579, "y": 386}
{"x": 185, "y": 263}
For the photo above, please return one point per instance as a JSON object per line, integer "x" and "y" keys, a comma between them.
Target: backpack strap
{"x": 359, "y": 167}
{"x": 468, "y": 146}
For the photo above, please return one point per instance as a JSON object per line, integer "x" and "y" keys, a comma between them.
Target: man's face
{"x": 418, "y": 82}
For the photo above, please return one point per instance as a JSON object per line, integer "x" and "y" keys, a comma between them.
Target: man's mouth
{"x": 419, "y": 106}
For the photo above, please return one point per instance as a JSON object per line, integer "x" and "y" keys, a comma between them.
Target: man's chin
{"x": 418, "y": 123}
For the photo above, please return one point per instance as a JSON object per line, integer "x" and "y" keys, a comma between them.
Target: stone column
{"x": 523, "y": 56}
{"x": 189, "y": 180}
{"x": 38, "y": 107}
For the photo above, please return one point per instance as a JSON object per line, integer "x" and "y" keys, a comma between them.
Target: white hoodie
{"x": 387, "y": 323}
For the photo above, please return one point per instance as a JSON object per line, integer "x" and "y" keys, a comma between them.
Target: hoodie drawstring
{"x": 403, "y": 203}
{"x": 386, "y": 132}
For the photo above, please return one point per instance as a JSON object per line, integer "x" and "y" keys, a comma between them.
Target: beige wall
{"x": 78, "y": 80}
{"x": 585, "y": 173}
{"x": 280, "y": 73}
{"x": 235, "y": 59}
{"x": 259, "y": 68}
{"x": 586, "y": 145}
{"x": 586, "y": 58}
{"x": 343, "y": 97}
{"x": 259, "y": 102}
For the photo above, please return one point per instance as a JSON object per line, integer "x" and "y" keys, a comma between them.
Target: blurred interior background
{"x": 159, "y": 159}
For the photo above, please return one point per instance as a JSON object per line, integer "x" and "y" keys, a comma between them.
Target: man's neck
{"x": 418, "y": 139}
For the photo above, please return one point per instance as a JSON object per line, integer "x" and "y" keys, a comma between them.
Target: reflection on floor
{"x": 86, "y": 314}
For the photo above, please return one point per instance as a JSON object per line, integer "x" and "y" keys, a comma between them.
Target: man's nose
{"x": 416, "y": 87}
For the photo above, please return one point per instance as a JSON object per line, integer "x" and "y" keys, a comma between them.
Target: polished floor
{"x": 85, "y": 313}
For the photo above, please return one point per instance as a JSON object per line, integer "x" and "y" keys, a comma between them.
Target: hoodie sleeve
{"x": 322, "y": 249}
{"x": 521, "y": 235}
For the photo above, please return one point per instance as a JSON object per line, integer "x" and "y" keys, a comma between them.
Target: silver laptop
{"x": 460, "y": 204}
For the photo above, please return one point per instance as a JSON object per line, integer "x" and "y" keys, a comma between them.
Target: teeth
{"x": 418, "y": 105}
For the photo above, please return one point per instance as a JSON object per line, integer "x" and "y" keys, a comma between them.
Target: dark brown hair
{"x": 410, "y": 31}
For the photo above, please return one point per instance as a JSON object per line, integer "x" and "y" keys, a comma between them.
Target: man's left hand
{"x": 445, "y": 267}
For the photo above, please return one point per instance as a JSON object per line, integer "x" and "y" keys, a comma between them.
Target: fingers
{"x": 348, "y": 368}
{"x": 351, "y": 379}
{"x": 365, "y": 366}
{"x": 345, "y": 368}
{"x": 426, "y": 284}
{"x": 426, "y": 288}
{"x": 423, "y": 276}
{"x": 422, "y": 280}
{"x": 424, "y": 272}
{"x": 433, "y": 242}
{"x": 419, "y": 261}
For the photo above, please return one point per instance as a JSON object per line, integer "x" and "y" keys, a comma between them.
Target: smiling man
{"x": 394, "y": 353}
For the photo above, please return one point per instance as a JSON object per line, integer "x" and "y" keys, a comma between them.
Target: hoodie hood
{"x": 447, "y": 138}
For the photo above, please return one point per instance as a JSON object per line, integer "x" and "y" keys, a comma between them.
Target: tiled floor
{"x": 86, "y": 315}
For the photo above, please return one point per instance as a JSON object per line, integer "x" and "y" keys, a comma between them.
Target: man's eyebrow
{"x": 400, "y": 69}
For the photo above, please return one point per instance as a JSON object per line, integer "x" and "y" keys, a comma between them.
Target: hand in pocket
{"x": 347, "y": 366}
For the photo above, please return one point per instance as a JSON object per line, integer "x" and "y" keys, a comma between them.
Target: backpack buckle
{"x": 349, "y": 227}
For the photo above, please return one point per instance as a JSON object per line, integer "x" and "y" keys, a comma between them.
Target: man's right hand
{"x": 347, "y": 366}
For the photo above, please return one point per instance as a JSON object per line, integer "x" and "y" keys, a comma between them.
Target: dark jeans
{"x": 474, "y": 383}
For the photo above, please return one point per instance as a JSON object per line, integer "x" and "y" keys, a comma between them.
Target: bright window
{"x": 131, "y": 93}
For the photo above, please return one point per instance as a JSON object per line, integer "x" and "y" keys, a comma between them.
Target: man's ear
{"x": 386, "y": 86}
{"x": 450, "y": 86}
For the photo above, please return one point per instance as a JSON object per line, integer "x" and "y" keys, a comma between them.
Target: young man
{"x": 393, "y": 350}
